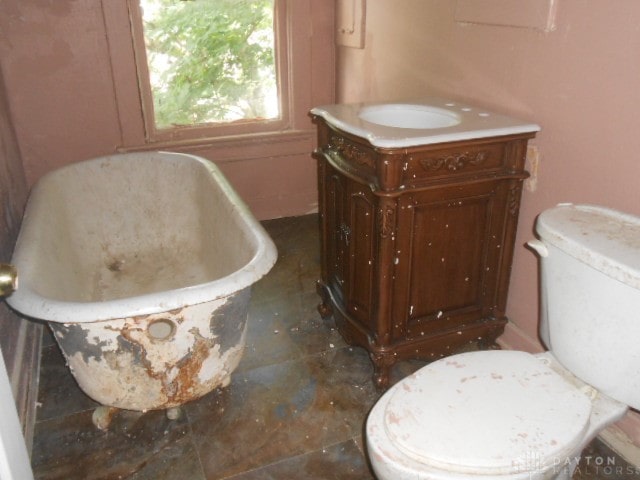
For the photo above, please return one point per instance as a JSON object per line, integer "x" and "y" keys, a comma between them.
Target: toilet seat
{"x": 487, "y": 413}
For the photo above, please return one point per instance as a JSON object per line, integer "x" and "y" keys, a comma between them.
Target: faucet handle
{"x": 8, "y": 279}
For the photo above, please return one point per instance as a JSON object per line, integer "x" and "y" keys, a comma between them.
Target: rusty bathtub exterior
{"x": 142, "y": 264}
{"x": 126, "y": 363}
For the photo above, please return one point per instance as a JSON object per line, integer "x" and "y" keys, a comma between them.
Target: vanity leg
{"x": 324, "y": 308}
{"x": 382, "y": 364}
{"x": 488, "y": 341}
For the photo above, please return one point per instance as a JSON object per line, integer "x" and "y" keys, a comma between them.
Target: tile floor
{"x": 295, "y": 408}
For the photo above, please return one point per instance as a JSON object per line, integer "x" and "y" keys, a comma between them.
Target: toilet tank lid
{"x": 606, "y": 239}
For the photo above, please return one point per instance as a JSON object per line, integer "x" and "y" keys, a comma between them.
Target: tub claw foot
{"x": 226, "y": 381}
{"x": 174, "y": 413}
{"x": 102, "y": 416}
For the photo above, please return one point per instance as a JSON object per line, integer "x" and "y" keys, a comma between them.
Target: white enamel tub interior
{"x": 134, "y": 234}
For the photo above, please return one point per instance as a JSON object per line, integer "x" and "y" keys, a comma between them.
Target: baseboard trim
{"x": 620, "y": 443}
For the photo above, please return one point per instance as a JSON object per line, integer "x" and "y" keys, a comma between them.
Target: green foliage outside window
{"x": 210, "y": 60}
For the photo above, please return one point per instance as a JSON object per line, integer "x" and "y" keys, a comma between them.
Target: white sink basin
{"x": 400, "y": 115}
{"x": 420, "y": 122}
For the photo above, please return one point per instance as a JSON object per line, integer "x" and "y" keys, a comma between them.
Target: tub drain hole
{"x": 161, "y": 330}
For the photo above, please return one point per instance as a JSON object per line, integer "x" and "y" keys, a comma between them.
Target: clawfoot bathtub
{"x": 142, "y": 265}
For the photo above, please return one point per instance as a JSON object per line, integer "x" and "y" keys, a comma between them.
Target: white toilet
{"x": 513, "y": 415}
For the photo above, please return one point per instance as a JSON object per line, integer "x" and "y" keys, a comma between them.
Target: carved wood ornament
{"x": 349, "y": 151}
{"x": 386, "y": 221}
{"x": 455, "y": 161}
{"x": 514, "y": 198}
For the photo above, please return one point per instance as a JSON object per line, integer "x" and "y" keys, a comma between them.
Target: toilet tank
{"x": 590, "y": 295}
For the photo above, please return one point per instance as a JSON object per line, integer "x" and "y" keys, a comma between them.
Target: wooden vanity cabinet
{"x": 417, "y": 243}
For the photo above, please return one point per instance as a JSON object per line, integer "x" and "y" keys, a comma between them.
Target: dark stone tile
{"x": 178, "y": 461}
{"x": 599, "y": 462}
{"x": 287, "y": 329}
{"x": 405, "y": 368}
{"x": 281, "y": 281}
{"x": 298, "y": 266}
{"x": 47, "y": 337}
{"x": 58, "y": 393}
{"x": 294, "y": 233}
{"x": 268, "y": 341}
{"x": 309, "y": 272}
{"x": 313, "y": 334}
{"x": 136, "y": 443}
{"x": 338, "y": 462}
{"x": 283, "y": 410}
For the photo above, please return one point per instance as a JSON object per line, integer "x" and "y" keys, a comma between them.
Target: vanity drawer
{"x": 351, "y": 156}
{"x": 424, "y": 166}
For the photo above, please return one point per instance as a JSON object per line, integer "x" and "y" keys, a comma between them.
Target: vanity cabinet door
{"x": 448, "y": 252}
{"x": 348, "y": 215}
{"x": 333, "y": 210}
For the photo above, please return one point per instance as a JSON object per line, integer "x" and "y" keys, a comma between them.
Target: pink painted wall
{"x": 65, "y": 81}
{"x": 580, "y": 82}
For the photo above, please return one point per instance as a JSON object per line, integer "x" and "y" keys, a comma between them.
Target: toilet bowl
{"x": 491, "y": 414}
{"x": 514, "y": 415}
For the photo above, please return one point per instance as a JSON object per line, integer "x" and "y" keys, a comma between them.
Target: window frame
{"x": 182, "y": 133}
{"x": 311, "y": 77}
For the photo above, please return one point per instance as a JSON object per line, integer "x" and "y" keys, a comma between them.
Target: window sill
{"x": 226, "y": 142}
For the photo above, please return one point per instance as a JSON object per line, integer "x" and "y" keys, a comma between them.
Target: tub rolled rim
{"x": 36, "y": 306}
{"x": 31, "y": 304}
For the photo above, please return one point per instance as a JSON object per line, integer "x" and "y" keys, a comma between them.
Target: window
{"x": 210, "y": 61}
{"x": 210, "y": 67}
{"x": 297, "y": 73}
